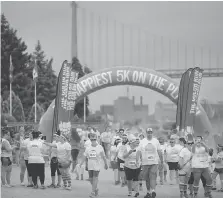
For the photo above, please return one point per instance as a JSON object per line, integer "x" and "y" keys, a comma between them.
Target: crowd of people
{"x": 133, "y": 157}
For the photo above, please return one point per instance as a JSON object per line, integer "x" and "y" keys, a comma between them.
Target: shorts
{"x": 120, "y": 164}
{"x": 28, "y": 168}
{"x": 191, "y": 179}
{"x": 132, "y": 174}
{"x": 93, "y": 173}
{"x": 173, "y": 165}
{"x": 218, "y": 170}
{"x": 74, "y": 154}
{"x": 114, "y": 165}
{"x": 6, "y": 161}
{"x": 149, "y": 170}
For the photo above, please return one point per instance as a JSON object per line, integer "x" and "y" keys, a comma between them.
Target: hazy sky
{"x": 197, "y": 24}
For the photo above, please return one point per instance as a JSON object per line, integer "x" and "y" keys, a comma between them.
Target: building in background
{"x": 165, "y": 112}
{"x": 125, "y": 109}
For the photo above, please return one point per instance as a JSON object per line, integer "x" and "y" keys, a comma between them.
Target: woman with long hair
{"x": 75, "y": 147}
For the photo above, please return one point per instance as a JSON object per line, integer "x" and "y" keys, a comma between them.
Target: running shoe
{"x": 130, "y": 194}
{"x": 35, "y": 186}
{"x": 136, "y": 195}
{"x": 153, "y": 194}
{"x": 96, "y": 192}
{"x": 8, "y": 185}
{"x": 30, "y": 185}
{"x": 52, "y": 186}
{"x": 22, "y": 184}
{"x": 42, "y": 187}
{"x": 68, "y": 188}
{"x": 58, "y": 186}
{"x": 148, "y": 195}
{"x": 92, "y": 195}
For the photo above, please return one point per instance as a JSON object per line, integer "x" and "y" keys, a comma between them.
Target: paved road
{"x": 81, "y": 189}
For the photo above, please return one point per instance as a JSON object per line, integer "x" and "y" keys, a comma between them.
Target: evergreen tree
{"x": 13, "y": 46}
{"x": 39, "y": 113}
{"x": 79, "y": 107}
{"x": 17, "y": 108}
{"x": 46, "y": 81}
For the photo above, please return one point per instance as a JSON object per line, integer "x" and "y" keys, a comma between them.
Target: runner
{"x": 132, "y": 169}
{"x": 54, "y": 165}
{"x": 172, "y": 159}
{"x": 162, "y": 169}
{"x": 25, "y": 153}
{"x": 106, "y": 141}
{"x": 200, "y": 166}
{"x": 219, "y": 166}
{"x": 119, "y": 154}
{"x": 94, "y": 153}
{"x": 149, "y": 151}
{"x": 113, "y": 161}
{"x": 75, "y": 147}
{"x": 36, "y": 160}
{"x": 184, "y": 168}
{"x": 6, "y": 159}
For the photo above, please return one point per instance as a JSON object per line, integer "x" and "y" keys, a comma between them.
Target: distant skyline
{"x": 195, "y": 23}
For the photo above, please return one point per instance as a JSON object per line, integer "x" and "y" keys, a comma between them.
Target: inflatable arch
{"x": 127, "y": 75}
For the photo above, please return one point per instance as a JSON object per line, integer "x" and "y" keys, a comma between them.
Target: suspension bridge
{"x": 101, "y": 42}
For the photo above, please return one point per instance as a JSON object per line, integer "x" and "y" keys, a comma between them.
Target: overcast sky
{"x": 197, "y": 24}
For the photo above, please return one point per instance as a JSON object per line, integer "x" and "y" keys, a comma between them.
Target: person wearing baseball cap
{"x": 131, "y": 168}
{"x": 149, "y": 152}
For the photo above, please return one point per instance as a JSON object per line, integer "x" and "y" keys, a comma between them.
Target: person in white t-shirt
{"x": 184, "y": 167}
{"x": 200, "y": 166}
{"x": 64, "y": 159}
{"x": 106, "y": 138}
{"x": 172, "y": 159}
{"x": 150, "y": 153}
{"x": 94, "y": 153}
{"x": 36, "y": 160}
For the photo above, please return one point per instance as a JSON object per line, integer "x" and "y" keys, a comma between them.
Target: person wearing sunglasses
{"x": 172, "y": 158}
{"x": 94, "y": 153}
{"x": 200, "y": 166}
{"x": 149, "y": 153}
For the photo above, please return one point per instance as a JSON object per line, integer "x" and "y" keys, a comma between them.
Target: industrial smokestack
{"x": 141, "y": 102}
{"x": 133, "y": 100}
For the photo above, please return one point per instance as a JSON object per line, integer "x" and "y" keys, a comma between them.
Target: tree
{"x": 39, "y": 113}
{"x": 17, "y": 108}
{"x": 13, "y": 46}
{"x": 79, "y": 107}
{"x": 46, "y": 81}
